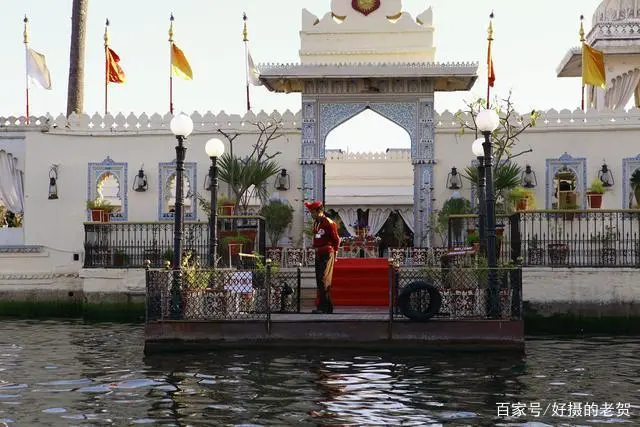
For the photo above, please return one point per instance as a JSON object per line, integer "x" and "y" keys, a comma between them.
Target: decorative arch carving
{"x": 578, "y": 165}
{"x": 166, "y": 172}
{"x": 629, "y": 165}
{"x": 97, "y": 173}
{"x": 414, "y": 114}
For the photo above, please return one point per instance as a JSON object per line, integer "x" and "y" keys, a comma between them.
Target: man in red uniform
{"x": 326, "y": 242}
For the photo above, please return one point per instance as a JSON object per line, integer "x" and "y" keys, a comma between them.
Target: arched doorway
{"x": 368, "y": 179}
{"x": 414, "y": 114}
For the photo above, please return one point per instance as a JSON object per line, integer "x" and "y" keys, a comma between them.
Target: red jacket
{"x": 325, "y": 235}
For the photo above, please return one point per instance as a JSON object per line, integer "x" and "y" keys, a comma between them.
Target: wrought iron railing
{"x": 561, "y": 238}
{"x": 130, "y": 244}
{"x": 462, "y": 290}
{"x": 221, "y": 294}
{"x": 457, "y": 290}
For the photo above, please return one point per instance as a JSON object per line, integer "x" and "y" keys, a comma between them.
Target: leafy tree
{"x": 277, "y": 217}
{"x": 247, "y": 176}
{"x": 505, "y": 139}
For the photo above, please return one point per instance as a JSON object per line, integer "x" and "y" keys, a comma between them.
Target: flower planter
{"x": 522, "y": 204}
{"x": 227, "y": 209}
{"x": 98, "y": 215}
{"x": 595, "y": 200}
{"x": 535, "y": 256}
{"x": 558, "y": 254}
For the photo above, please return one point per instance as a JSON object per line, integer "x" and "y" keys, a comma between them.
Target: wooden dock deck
{"x": 346, "y": 328}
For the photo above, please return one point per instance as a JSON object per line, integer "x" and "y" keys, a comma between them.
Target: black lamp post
{"x": 488, "y": 121}
{"x": 181, "y": 126}
{"x": 215, "y": 150}
{"x": 478, "y": 151}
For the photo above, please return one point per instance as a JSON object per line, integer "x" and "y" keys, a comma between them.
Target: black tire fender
{"x": 404, "y": 301}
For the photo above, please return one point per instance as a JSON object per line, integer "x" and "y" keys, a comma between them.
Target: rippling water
{"x": 59, "y": 373}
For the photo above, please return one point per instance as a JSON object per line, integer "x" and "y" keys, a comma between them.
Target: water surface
{"x": 69, "y": 373}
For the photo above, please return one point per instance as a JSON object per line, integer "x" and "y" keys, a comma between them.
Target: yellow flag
{"x": 179, "y": 65}
{"x": 592, "y": 67}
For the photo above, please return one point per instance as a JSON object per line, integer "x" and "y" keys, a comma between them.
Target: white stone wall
{"x": 145, "y": 140}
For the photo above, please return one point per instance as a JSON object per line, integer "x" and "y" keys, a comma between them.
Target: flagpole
{"x": 582, "y": 40}
{"x": 26, "y": 63}
{"x": 489, "y": 58}
{"x": 245, "y": 39}
{"x": 171, "y": 64}
{"x": 106, "y": 67}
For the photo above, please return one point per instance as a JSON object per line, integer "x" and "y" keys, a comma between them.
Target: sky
{"x": 530, "y": 40}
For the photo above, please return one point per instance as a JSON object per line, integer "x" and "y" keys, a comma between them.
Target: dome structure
{"x": 610, "y": 11}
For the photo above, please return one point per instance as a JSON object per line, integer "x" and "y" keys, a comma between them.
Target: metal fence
{"x": 570, "y": 238}
{"x": 461, "y": 290}
{"x": 131, "y": 244}
{"x": 221, "y": 294}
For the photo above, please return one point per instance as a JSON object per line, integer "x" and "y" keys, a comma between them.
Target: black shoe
{"x": 319, "y": 311}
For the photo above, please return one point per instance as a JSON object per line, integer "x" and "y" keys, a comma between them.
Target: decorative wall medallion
{"x": 365, "y": 6}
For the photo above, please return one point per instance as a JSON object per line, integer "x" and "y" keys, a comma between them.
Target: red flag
{"x": 115, "y": 74}
{"x": 492, "y": 74}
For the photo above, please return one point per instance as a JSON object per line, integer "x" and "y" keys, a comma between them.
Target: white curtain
{"x": 408, "y": 218}
{"x": 377, "y": 218}
{"x": 11, "y": 183}
{"x": 349, "y": 217}
{"x": 622, "y": 89}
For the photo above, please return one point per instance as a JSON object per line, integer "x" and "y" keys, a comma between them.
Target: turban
{"x": 313, "y": 206}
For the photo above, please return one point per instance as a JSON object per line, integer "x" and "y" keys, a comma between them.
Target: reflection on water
{"x": 56, "y": 373}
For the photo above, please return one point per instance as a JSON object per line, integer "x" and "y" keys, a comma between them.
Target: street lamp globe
{"x": 477, "y": 148}
{"x": 181, "y": 125}
{"x": 214, "y": 148}
{"x": 487, "y": 121}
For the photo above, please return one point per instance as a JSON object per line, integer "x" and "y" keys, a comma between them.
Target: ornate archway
{"x": 414, "y": 114}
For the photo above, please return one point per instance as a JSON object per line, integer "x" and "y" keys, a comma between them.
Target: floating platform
{"x": 342, "y": 329}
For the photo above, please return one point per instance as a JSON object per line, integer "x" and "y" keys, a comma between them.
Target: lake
{"x": 57, "y": 373}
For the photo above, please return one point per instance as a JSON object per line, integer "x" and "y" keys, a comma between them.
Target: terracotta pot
{"x": 98, "y": 215}
{"x": 227, "y": 209}
{"x": 522, "y": 204}
{"x": 595, "y": 200}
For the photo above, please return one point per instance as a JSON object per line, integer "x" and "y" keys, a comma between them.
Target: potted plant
{"x": 594, "y": 194}
{"x": 454, "y": 206}
{"x": 278, "y": 216}
{"x": 635, "y": 185}
{"x": 120, "y": 258}
{"x": 235, "y": 243}
{"x": 608, "y": 254}
{"x": 535, "y": 254}
{"x": 473, "y": 239}
{"x": 226, "y": 205}
{"x": 100, "y": 210}
{"x": 522, "y": 198}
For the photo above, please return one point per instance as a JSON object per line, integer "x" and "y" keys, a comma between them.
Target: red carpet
{"x": 361, "y": 282}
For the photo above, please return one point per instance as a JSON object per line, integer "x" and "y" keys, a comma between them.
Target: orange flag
{"x": 115, "y": 74}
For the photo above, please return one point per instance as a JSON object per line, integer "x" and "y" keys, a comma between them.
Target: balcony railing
{"x": 561, "y": 238}
{"x": 130, "y": 244}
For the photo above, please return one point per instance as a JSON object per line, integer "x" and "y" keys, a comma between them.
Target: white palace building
{"x": 350, "y": 61}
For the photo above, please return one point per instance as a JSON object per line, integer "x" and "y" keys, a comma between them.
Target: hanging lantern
{"x": 454, "y": 181}
{"x": 283, "y": 181}
{"x": 140, "y": 181}
{"x": 528, "y": 178}
{"x": 606, "y": 176}
{"x": 53, "y": 182}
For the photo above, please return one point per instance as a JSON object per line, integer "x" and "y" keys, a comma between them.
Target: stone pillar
{"x": 422, "y": 158}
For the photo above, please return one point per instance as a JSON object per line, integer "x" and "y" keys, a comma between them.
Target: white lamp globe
{"x": 477, "y": 148}
{"x": 214, "y": 147}
{"x": 487, "y": 121}
{"x": 181, "y": 125}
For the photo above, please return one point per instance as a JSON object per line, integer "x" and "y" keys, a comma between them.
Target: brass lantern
{"x": 53, "y": 182}
{"x": 528, "y": 178}
{"x": 605, "y": 175}
{"x": 454, "y": 180}
{"x": 283, "y": 181}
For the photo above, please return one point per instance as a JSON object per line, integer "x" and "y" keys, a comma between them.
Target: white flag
{"x": 253, "y": 75}
{"x": 37, "y": 69}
